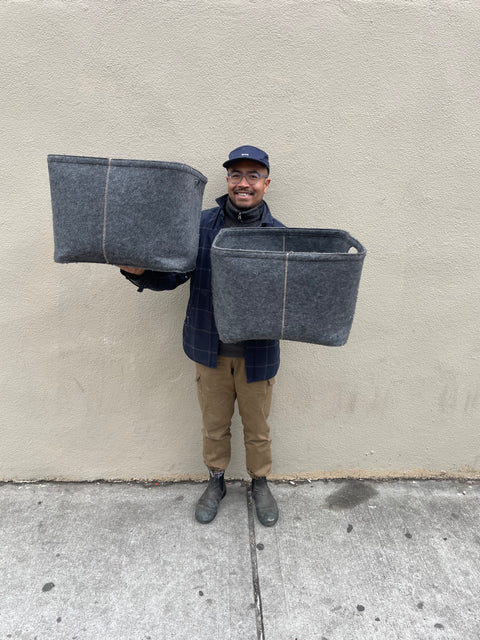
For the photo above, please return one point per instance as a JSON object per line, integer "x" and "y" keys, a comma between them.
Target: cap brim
{"x": 229, "y": 163}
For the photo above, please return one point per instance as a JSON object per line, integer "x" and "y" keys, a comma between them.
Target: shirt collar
{"x": 267, "y": 218}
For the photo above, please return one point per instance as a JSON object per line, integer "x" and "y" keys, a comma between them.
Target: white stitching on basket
{"x": 285, "y": 293}
{"x": 105, "y": 211}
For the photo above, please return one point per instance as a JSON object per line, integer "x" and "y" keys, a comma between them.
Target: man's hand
{"x": 134, "y": 270}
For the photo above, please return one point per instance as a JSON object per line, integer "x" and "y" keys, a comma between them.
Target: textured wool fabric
{"x": 285, "y": 284}
{"x": 126, "y": 212}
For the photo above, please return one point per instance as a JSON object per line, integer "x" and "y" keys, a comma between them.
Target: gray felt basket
{"x": 126, "y": 212}
{"x": 290, "y": 284}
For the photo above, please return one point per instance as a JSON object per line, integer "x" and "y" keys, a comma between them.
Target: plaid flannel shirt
{"x": 200, "y": 336}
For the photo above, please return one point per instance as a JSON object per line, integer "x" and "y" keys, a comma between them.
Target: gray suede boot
{"x": 207, "y": 506}
{"x": 265, "y": 503}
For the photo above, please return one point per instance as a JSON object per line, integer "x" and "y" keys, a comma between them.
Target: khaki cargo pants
{"x": 217, "y": 391}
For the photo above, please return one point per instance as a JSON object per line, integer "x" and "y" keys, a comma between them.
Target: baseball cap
{"x": 247, "y": 153}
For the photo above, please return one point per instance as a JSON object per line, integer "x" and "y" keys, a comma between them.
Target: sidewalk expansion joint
{"x": 255, "y": 577}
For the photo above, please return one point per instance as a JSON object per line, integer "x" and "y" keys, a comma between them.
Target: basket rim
{"x": 124, "y": 162}
{"x": 292, "y": 255}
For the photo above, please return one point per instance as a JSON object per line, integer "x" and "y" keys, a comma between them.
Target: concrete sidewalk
{"x": 348, "y": 560}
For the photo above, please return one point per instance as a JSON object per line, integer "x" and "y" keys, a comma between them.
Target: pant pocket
{"x": 268, "y": 396}
{"x": 201, "y": 398}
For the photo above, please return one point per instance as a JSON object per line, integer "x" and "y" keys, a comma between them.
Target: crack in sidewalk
{"x": 255, "y": 577}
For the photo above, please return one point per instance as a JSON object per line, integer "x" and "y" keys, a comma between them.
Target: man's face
{"x": 244, "y": 195}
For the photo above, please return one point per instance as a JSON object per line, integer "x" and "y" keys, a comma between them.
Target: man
{"x": 228, "y": 372}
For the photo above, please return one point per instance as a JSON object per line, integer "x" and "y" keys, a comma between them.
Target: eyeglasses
{"x": 252, "y": 177}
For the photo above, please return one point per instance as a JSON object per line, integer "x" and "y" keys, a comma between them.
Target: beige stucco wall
{"x": 369, "y": 111}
